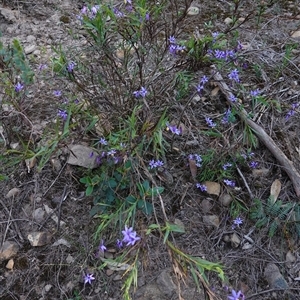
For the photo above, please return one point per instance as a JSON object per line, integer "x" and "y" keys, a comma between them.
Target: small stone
{"x": 228, "y": 21}
{"x": 30, "y": 39}
{"x": 225, "y": 199}
{"x": 29, "y": 49}
{"x": 8, "y": 250}
{"x": 290, "y": 259}
{"x": 30, "y": 163}
{"x": 10, "y": 264}
{"x": 211, "y": 220}
{"x": 9, "y": 15}
{"x": 296, "y": 34}
{"x": 260, "y": 172}
{"x": 85, "y": 156}
{"x": 206, "y": 205}
{"x": 13, "y": 192}
{"x": 70, "y": 259}
{"x": 47, "y": 288}
{"x": 38, "y": 239}
{"x": 193, "y": 11}
{"x": 235, "y": 240}
{"x": 165, "y": 283}
{"x": 56, "y": 164}
{"x": 109, "y": 272}
{"x": 38, "y": 215}
{"x": 62, "y": 242}
{"x": 274, "y": 277}
{"x": 117, "y": 277}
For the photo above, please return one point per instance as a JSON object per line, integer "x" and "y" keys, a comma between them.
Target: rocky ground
{"x": 40, "y": 259}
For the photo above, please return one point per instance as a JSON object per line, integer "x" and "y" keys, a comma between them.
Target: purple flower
{"x": 175, "y": 49}
{"x": 253, "y": 164}
{"x": 255, "y": 93}
{"x": 197, "y": 158}
{"x": 130, "y": 236}
{"x": 57, "y": 93}
{"x": 154, "y": 164}
{"x": 42, "y": 67}
{"x": 119, "y": 243}
{"x": 111, "y": 152}
{"x": 202, "y": 187}
{"x": 140, "y": 93}
{"x": 210, "y": 123}
{"x": 63, "y": 114}
{"x": 19, "y": 87}
{"x": 215, "y": 34}
{"x": 172, "y": 39}
{"x": 147, "y": 16}
{"x": 226, "y": 166}
{"x": 91, "y": 154}
{"x": 234, "y": 75}
{"x": 70, "y": 67}
{"x": 103, "y": 141}
{"x": 226, "y": 116}
{"x": 127, "y": 1}
{"x": 232, "y": 98}
{"x": 101, "y": 247}
{"x": 236, "y": 295}
{"x": 203, "y": 80}
{"x": 229, "y": 182}
{"x": 292, "y": 111}
{"x": 238, "y": 221}
{"x": 118, "y": 13}
{"x": 174, "y": 129}
{"x": 88, "y": 278}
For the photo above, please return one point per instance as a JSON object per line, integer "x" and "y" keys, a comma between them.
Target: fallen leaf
{"x": 275, "y": 190}
{"x": 13, "y": 192}
{"x": 193, "y": 168}
{"x": 213, "y": 188}
{"x": 30, "y": 163}
{"x": 215, "y": 91}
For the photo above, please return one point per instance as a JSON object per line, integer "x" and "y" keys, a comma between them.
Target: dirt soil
{"x": 55, "y": 269}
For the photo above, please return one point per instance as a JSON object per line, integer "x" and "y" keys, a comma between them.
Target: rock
{"x": 193, "y": 11}
{"x": 296, "y": 34}
{"x": 8, "y": 250}
{"x": 213, "y": 188}
{"x": 211, "y": 220}
{"x": 235, "y": 240}
{"x": 9, "y": 15}
{"x": 38, "y": 239}
{"x": 165, "y": 283}
{"x": 62, "y": 242}
{"x": 260, "y": 172}
{"x": 38, "y": 215}
{"x": 70, "y": 259}
{"x": 225, "y": 199}
{"x": 13, "y": 192}
{"x": 206, "y": 205}
{"x": 47, "y": 288}
{"x": 290, "y": 259}
{"x": 85, "y": 156}
{"x": 228, "y": 21}
{"x": 29, "y": 49}
{"x": 274, "y": 277}
{"x": 30, "y": 39}
{"x": 10, "y": 264}
{"x": 149, "y": 292}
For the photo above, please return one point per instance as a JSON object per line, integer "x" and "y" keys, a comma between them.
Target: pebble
{"x": 29, "y": 49}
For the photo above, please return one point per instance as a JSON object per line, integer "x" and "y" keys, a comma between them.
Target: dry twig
{"x": 286, "y": 164}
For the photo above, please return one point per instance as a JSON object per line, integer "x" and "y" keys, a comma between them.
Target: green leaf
{"x": 89, "y": 190}
{"x": 174, "y": 227}
{"x": 130, "y": 200}
{"x": 156, "y": 191}
{"x": 146, "y": 185}
{"x": 145, "y": 206}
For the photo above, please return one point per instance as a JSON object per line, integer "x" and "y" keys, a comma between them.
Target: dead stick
{"x": 287, "y": 165}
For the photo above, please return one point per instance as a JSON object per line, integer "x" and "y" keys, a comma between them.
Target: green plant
{"x": 273, "y": 214}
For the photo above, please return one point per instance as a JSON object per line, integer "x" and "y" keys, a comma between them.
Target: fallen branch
{"x": 286, "y": 164}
